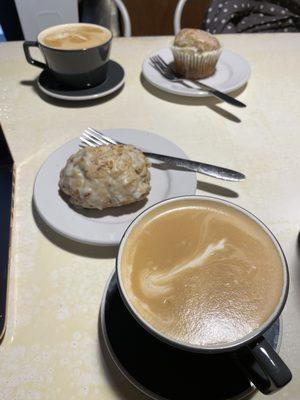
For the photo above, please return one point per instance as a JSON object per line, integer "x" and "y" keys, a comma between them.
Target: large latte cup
{"x": 76, "y": 54}
{"x": 207, "y": 276}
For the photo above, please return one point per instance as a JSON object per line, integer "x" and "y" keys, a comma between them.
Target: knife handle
{"x": 220, "y": 95}
{"x": 196, "y": 166}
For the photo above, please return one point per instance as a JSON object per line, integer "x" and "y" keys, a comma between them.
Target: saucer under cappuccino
{"x": 201, "y": 272}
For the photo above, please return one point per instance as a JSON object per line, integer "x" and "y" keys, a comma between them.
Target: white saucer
{"x": 106, "y": 227}
{"x": 232, "y": 72}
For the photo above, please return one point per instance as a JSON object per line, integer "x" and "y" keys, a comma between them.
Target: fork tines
{"x": 93, "y": 138}
{"x": 162, "y": 67}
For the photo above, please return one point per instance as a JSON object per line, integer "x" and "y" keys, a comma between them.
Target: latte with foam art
{"x": 201, "y": 272}
{"x": 75, "y": 36}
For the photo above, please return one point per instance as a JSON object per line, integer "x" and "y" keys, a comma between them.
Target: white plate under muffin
{"x": 232, "y": 72}
{"x": 106, "y": 227}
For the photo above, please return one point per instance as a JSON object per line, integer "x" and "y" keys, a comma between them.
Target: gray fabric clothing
{"x": 235, "y": 16}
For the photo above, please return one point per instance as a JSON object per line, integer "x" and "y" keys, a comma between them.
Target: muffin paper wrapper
{"x": 196, "y": 62}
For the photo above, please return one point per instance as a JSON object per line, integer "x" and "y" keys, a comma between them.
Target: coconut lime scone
{"x": 106, "y": 176}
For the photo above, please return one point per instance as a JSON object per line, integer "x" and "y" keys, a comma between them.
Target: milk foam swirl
{"x": 154, "y": 282}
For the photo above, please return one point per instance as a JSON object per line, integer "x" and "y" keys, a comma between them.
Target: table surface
{"x": 51, "y": 348}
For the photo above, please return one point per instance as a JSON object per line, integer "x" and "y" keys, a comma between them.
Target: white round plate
{"x": 107, "y": 227}
{"x": 232, "y": 72}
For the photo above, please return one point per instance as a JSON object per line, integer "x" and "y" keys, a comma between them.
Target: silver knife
{"x": 206, "y": 169}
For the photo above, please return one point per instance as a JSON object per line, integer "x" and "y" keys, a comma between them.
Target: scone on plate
{"x": 195, "y": 53}
{"x": 106, "y": 176}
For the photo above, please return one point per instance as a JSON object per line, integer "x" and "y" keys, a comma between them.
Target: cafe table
{"x": 51, "y": 347}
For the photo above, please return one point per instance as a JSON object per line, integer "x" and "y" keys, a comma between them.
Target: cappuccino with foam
{"x": 201, "y": 272}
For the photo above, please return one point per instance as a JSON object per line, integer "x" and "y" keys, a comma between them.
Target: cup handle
{"x": 263, "y": 366}
{"x": 29, "y": 59}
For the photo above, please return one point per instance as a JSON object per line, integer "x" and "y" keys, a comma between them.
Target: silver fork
{"x": 91, "y": 137}
{"x": 167, "y": 71}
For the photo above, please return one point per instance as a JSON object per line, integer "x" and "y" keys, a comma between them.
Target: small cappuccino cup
{"x": 76, "y": 54}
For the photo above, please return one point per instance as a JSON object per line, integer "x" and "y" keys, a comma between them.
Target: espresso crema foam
{"x": 74, "y": 37}
{"x": 201, "y": 272}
